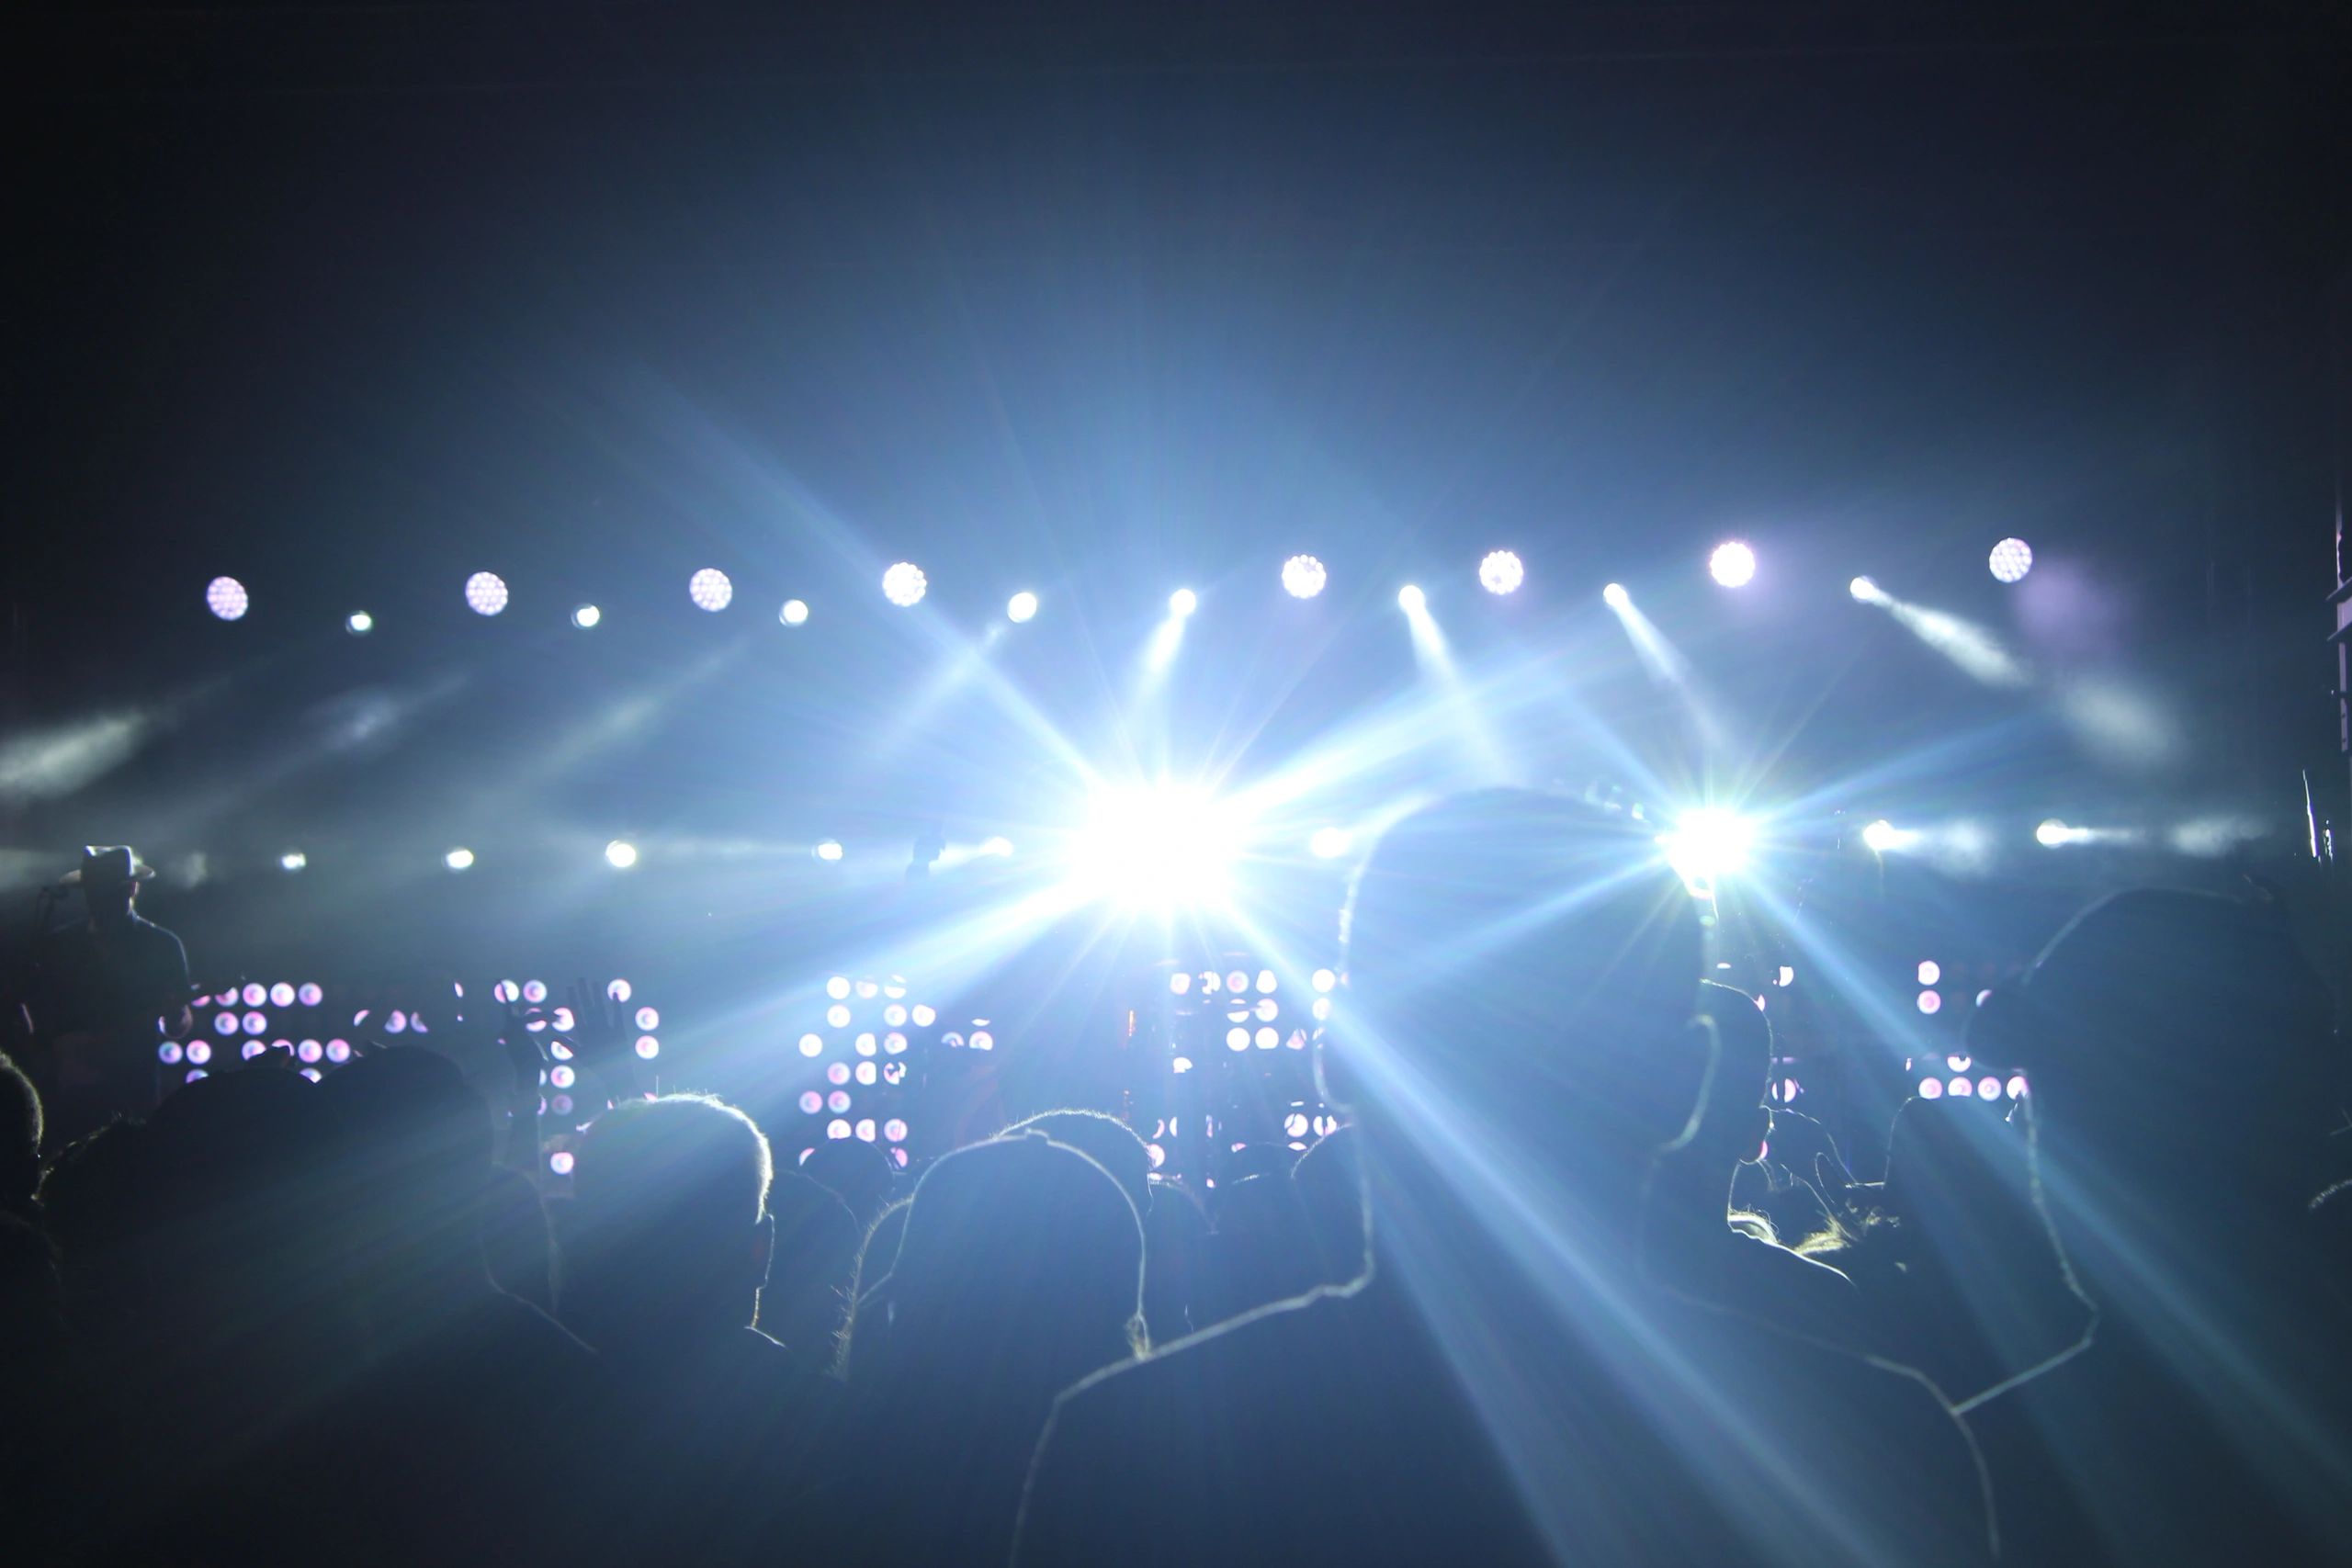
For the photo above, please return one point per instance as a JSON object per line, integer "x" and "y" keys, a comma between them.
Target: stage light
{"x": 308, "y": 994}
{"x": 360, "y": 623}
{"x": 904, "y": 585}
{"x": 281, "y": 995}
{"x": 292, "y": 860}
{"x": 1330, "y": 844}
{"x": 586, "y": 618}
{"x": 619, "y": 990}
{"x": 1411, "y": 600}
{"x": 999, "y": 847}
{"x": 830, "y": 849}
{"x": 1863, "y": 589}
{"x": 459, "y": 859}
{"x": 1183, "y": 603}
{"x": 485, "y": 593}
{"x": 1931, "y": 971}
{"x": 2052, "y": 834}
{"x": 1501, "y": 572}
{"x": 1883, "y": 837}
{"x": 1733, "y": 564}
{"x": 1323, "y": 979}
{"x": 794, "y": 614}
{"x": 561, "y": 1162}
{"x": 2010, "y": 560}
{"x": 1156, "y": 846}
{"x": 225, "y": 597}
{"x": 1303, "y": 577}
{"x": 838, "y": 988}
{"x": 648, "y": 1047}
{"x": 1707, "y": 843}
{"x": 1615, "y": 596}
{"x": 621, "y": 854}
{"x": 1022, "y": 606}
{"x": 710, "y": 589}
{"x": 1930, "y": 1002}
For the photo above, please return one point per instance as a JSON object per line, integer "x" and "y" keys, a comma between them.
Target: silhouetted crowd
{"x": 1561, "y": 1289}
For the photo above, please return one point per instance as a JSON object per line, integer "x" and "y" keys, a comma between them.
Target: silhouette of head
{"x": 670, "y": 1231}
{"x": 410, "y": 1159}
{"x": 856, "y": 1172}
{"x": 1523, "y": 966}
{"x": 1734, "y": 1120}
{"x": 1020, "y": 1270}
{"x": 809, "y": 1278}
{"x": 1104, "y": 1139}
{"x": 2175, "y": 1036}
{"x": 20, "y": 1133}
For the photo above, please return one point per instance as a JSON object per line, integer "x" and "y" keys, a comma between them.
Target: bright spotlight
{"x": 586, "y": 618}
{"x": 794, "y": 614}
{"x": 1303, "y": 577}
{"x": 293, "y": 860}
{"x": 831, "y": 849}
{"x": 1411, "y": 600}
{"x": 2010, "y": 560}
{"x": 621, "y": 854}
{"x": 904, "y": 585}
{"x": 1733, "y": 564}
{"x": 1183, "y": 603}
{"x": 2052, "y": 834}
{"x": 1022, "y": 606}
{"x": 1883, "y": 837}
{"x": 1615, "y": 596}
{"x": 360, "y": 623}
{"x": 1862, "y": 587}
{"x": 225, "y": 597}
{"x": 1330, "y": 844}
{"x": 710, "y": 589}
{"x": 459, "y": 859}
{"x": 1708, "y": 843}
{"x": 1501, "y": 572}
{"x": 485, "y": 593}
{"x": 999, "y": 847}
{"x": 1164, "y": 847}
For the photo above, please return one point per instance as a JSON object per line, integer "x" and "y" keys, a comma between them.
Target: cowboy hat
{"x": 108, "y": 865}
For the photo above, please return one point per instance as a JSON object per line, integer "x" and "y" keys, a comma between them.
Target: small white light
{"x": 586, "y": 618}
{"x": 2052, "y": 834}
{"x": 1615, "y": 596}
{"x": 1733, "y": 564}
{"x": 710, "y": 589}
{"x": 794, "y": 614}
{"x": 830, "y": 849}
{"x": 1411, "y": 600}
{"x": 1501, "y": 572}
{"x": 360, "y": 623}
{"x": 1304, "y": 577}
{"x": 226, "y": 597}
{"x": 1883, "y": 836}
{"x": 1183, "y": 603}
{"x": 999, "y": 847}
{"x": 293, "y": 860}
{"x": 459, "y": 859}
{"x": 486, "y": 594}
{"x": 1862, "y": 587}
{"x": 1330, "y": 844}
{"x": 621, "y": 854}
{"x": 904, "y": 585}
{"x": 1022, "y": 606}
{"x": 2010, "y": 560}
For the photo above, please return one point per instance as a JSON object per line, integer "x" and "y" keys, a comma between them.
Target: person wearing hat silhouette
{"x": 107, "y": 988}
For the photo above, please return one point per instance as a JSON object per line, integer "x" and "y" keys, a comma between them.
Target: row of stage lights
{"x": 1733, "y": 565}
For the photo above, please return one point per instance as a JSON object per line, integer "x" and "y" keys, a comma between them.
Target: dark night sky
{"x": 350, "y": 302}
